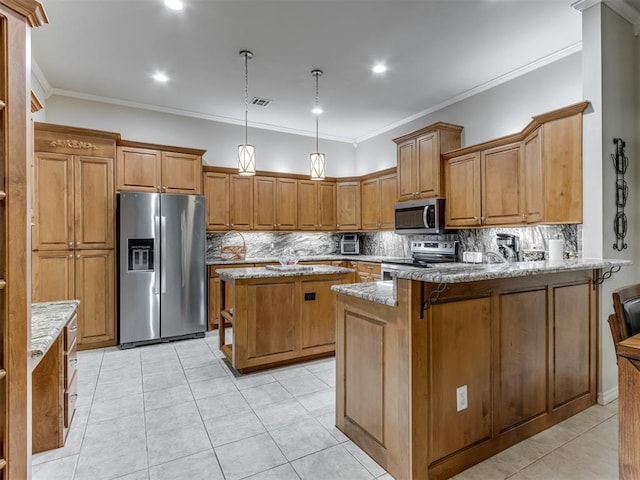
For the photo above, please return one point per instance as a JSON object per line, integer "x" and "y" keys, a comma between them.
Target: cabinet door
{"x": 52, "y": 276}
{"x": 388, "y": 198}
{"x": 94, "y": 272}
{"x": 318, "y": 316}
{"x": 94, "y": 216}
{"x": 502, "y": 195}
{"x": 308, "y": 205}
{"x": 327, "y": 202}
{"x": 216, "y": 192}
{"x": 264, "y": 203}
{"x": 286, "y": 204}
{"x": 371, "y": 204}
{"x": 241, "y": 202}
{"x": 407, "y": 173}
{"x": 53, "y": 207}
{"x": 181, "y": 173}
{"x": 462, "y": 190}
{"x": 348, "y": 205}
{"x": 428, "y": 166}
{"x": 138, "y": 169}
{"x": 214, "y": 304}
{"x": 532, "y": 173}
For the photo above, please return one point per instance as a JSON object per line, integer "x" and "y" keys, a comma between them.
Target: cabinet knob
{"x": 77, "y": 244}
{"x": 71, "y": 244}
{"x": 70, "y": 255}
{"x": 164, "y": 189}
{"x": 78, "y": 256}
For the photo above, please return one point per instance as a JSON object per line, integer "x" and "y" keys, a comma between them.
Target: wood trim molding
{"x": 73, "y": 143}
{"x": 153, "y": 146}
{"x": 537, "y": 121}
{"x": 32, "y": 10}
{"x": 50, "y": 127}
{"x": 298, "y": 176}
{"x": 430, "y": 128}
{"x": 36, "y": 105}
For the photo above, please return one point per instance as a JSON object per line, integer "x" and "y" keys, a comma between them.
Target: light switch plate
{"x": 461, "y": 398}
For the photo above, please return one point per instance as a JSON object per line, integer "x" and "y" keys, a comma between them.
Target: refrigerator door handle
{"x": 156, "y": 254}
{"x": 163, "y": 249}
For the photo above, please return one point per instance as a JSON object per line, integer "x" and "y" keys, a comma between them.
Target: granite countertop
{"x": 47, "y": 321}
{"x": 384, "y": 293}
{"x": 262, "y": 272}
{"x": 315, "y": 258}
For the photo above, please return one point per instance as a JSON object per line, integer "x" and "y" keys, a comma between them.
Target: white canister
{"x": 556, "y": 250}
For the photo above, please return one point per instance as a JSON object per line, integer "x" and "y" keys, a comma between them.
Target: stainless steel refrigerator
{"x": 162, "y": 283}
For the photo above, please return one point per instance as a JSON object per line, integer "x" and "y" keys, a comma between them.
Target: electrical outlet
{"x": 461, "y": 398}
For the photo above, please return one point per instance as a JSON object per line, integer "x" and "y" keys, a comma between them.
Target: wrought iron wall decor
{"x": 620, "y": 163}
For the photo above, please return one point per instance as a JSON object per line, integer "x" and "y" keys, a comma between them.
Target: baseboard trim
{"x": 608, "y": 396}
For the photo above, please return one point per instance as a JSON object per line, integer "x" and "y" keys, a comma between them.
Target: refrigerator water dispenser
{"x": 140, "y": 254}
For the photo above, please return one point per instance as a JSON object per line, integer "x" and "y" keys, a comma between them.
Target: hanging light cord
{"x": 317, "y": 114}
{"x": 246, "y": 95}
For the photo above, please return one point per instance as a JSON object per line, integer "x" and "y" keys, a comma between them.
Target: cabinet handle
{"x": 73, "y": 362}
{"x": 77, "y": 244}
{"x": 74, "y": 328}
{"x": 164, "y": 189}
{"x": 71, "y": 244}
{"x": 70, "y": 255}
{"x": 78, "y": 256}
{"x": 73, "y": 397}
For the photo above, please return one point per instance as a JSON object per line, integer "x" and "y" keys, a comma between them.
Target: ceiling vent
{"x": 260, "y": 102}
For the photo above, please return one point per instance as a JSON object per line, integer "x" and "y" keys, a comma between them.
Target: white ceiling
{"x": 437, "y": 51}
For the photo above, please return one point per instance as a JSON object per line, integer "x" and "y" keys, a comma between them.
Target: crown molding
{"x": 622, "y": 8}
{"x": 32, "y": 10}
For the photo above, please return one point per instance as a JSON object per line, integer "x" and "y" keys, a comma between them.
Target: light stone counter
{"x": 318, "y": 258}
{"x": 262, "y": 272}
{"x": 384, "y": 293}
{"x": 47, "y": 321}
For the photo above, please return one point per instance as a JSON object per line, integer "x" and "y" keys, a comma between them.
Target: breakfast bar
{"x": 447, "y": 366}
{"x": 280, "y": 313}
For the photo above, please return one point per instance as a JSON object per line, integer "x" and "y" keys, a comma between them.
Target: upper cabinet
{"x": 348, "y": 205}
{"x": 419, "y": 164}
{"x": 379, "y": 196}
{"x": 275, "y": 203}
{"x": 534, "y": 176}
{"x": 73, "y": 204}
{"x": 158, "y": 168}
{"x": 316, "y": 205}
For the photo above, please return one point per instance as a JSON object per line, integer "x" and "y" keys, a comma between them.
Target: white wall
{"x": 275, "y": 151}
{"x": 611, "y": 73}
{"x": 499, "y": 111}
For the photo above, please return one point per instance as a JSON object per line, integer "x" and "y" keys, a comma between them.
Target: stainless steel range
{"x": 424, "y": 254}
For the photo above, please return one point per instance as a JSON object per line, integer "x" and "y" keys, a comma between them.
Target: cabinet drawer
{"x": 372, "y": 268}
{"x": 70, "y": 364}
{"x": 70, "y": 399}
{"x": 70, "y": 332}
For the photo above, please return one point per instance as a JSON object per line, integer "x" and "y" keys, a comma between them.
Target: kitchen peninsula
{"x": 280, "y": 314}
{"x": 451, "y": 365}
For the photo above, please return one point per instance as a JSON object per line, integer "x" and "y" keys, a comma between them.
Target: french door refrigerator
{"x": 162, "y": 281}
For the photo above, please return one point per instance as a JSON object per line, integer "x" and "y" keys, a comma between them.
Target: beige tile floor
{"x": 176, "y": 411}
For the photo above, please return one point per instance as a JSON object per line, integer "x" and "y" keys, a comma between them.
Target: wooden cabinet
{"x": 316, "y": 205}
{"x": 628, "y": 352}
{"x": 348, "y": 205}
{"x": 158, "y": 168}
{"x": 534, "y": 176}
{"x": 73, "y": 238}
{"x": 275, "y": 203}
{"x": 55, "y": 386}
{"x": 241, "y": 202}
{"x": 216, "y": 192}
{"x": 379, "y": 195}
{"x": 216, "y": 300}
{"x": 419, "y": 164}
{"x": 367, "y": 271}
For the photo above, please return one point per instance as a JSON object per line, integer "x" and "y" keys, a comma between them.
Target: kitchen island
{"x": 450, "y": 365}
{"x": 279, "y": 314}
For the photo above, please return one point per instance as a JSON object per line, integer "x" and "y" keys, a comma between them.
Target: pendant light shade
{"x": 317, "y": 158}
{"x": 246, "y": 152}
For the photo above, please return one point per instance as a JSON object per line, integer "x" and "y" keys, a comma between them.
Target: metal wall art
{"x": 620, "y": 163}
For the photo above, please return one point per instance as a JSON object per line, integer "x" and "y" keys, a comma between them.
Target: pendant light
{"x": 246, "y": 152}
{"x": 317, "y": 158}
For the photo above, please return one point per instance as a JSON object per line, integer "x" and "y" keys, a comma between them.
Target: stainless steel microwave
{"x": 423, "y": 216}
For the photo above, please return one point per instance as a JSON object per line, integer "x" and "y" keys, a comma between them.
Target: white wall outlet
{"x": 461, "y": 398}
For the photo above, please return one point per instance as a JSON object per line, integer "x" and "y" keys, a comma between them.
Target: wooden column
{"x": 629, "y": 408}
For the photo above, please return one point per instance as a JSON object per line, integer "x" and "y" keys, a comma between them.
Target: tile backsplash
{"x": 271, "y": 244}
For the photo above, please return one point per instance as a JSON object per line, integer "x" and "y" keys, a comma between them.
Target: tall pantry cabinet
{"x": 73, "y": 226}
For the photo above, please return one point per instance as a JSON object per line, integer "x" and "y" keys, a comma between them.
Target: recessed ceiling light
{"x": 174, "y": 4}
{"x": 160, "y": 77}
{"x": 379, "y": 68}
{"x": 317, "y": 110}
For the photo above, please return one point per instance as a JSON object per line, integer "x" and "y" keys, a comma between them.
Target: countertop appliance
{"x": 350, "y": 244}
{"x": 509, "y": 246}
{"x": 424, "y": 254}
{"x": 161, "y": 267}
{"x": 421, "y": 217}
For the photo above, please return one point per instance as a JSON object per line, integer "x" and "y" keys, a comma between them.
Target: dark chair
{"x": 625, "y": 322}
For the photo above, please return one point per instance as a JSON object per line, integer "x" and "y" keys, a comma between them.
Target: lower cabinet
{"x": 215, "y": 296}
{"x": 367, "y": 271}
{"x": 85, "y": 275}
{"x": 55, "y": 391}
